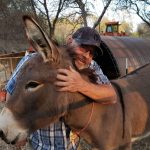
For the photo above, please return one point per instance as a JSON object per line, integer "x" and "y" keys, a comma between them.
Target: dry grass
{"x": 4, "y": 146}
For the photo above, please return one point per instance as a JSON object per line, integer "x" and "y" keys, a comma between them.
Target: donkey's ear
{"x": 40, "y": 40}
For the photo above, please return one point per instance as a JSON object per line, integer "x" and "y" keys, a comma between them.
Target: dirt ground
{"x": 140, "y": 145}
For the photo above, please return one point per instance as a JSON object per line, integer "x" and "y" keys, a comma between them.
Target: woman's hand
{"x": 69, "y": 80}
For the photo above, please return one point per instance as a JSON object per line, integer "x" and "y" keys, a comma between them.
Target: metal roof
{"x": 129, "y": 53}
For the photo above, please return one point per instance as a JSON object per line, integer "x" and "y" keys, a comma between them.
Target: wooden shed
{"x": 8, "y": 63}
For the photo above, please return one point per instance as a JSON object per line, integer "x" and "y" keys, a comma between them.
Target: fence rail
{"x": 7, "y": 66}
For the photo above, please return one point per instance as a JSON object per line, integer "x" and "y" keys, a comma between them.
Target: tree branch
{"x": 47, "y": 16}
{"x": 102, "y": 14}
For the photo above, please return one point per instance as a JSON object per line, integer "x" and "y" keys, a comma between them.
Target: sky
{"x": 116, "y": 16}
{"x": 111, "y": 15}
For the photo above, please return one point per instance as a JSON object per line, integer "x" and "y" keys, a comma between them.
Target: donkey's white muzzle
{"x": 10, "y": 131}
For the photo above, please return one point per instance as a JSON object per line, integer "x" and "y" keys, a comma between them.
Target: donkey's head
{"x": 35, "y": 101}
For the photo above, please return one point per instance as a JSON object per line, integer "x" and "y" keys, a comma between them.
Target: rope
{"x": 75, "y": 136}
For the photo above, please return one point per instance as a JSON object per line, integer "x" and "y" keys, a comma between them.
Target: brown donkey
{"x": 36, "y": 102}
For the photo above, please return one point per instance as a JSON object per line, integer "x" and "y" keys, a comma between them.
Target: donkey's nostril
{"x": 1, "y": 134}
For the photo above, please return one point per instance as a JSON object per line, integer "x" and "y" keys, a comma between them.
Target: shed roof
{"x": 129, "y": 53}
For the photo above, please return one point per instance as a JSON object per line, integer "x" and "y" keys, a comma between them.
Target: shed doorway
{"x": 107, "y": 62}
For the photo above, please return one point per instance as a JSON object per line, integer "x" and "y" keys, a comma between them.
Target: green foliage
{"x": 17, "y": 5}
{"x": 135, "y": 34}
{"x": 64, "y": 28}
{"x": 125, "y": 27}
{"x": 102, "y": 26}
{"x": 143, "y": 30}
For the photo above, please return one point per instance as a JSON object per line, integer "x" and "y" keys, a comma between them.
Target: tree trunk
{"x": 83, "y": 11}
{"x": 102, "y": 14}
{"x": 33, "y": 9}
{"x": 47, "y": 16}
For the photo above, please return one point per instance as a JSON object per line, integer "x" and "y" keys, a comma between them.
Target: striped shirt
{"x": 54, "y": 136}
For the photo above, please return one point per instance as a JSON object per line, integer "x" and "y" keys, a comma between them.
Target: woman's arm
{"x": 70, "y": 80}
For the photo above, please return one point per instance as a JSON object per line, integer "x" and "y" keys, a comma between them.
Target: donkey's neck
{"x": 78, "y": 112}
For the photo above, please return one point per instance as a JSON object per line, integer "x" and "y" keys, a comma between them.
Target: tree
{"x": 50, "y": 11}
{"x": 103, "y": 12}
{"x": 125, "y": 27}
{"x": 143, "y": 30}
{"x": 33, "y": 8}
{"x": 12, "y": 37}
{"x": 139, "y": 7}
{"x": 80, "y": 9}
{"x": 84, "y": 12}
{"x": 65, "y": 27}
{"x": 102, "y": 25}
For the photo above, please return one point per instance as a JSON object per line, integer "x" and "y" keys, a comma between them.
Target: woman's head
{"x": 87, "y": 36}
{"x": 86, "y": 42}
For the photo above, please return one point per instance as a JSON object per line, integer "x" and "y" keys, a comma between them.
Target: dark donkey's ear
{"x": 40, "y": 40}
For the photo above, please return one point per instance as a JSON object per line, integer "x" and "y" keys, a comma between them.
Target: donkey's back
{"x": 134, "y": 89}
{"x": 116, "y": 126}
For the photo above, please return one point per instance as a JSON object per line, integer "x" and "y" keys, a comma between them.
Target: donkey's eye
{"x": 33, "y": 86}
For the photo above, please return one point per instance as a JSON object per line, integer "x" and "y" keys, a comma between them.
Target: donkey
{"x": 36, "y": 101}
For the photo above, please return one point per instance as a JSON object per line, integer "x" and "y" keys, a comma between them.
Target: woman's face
{"x": 83, "y": 55}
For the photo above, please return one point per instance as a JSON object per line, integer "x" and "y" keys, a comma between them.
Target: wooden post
{"x": 126, "y": 65}
{"x": 11, "y": 65}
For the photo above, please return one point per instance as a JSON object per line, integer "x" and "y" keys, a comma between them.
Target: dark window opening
{"x": 109, "y": 28}
{"x": 107, "y": 62}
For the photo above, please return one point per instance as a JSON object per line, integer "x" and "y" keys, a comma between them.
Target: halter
{"x": 76, "y": 134}
{"x": 87, "y": 124}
